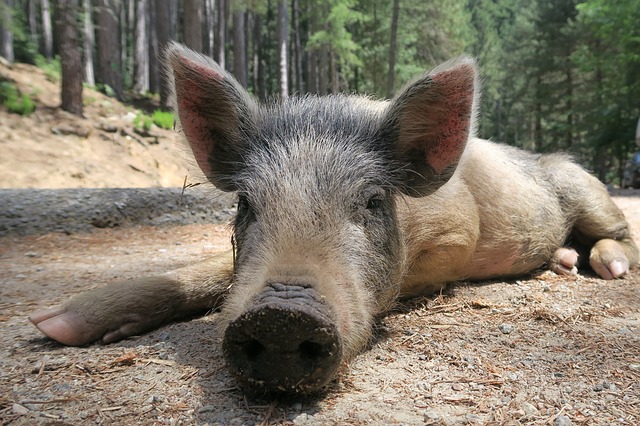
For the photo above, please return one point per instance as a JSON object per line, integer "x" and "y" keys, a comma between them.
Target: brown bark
{"x": 193, "y": 24}
{"x": 70, "y": 55}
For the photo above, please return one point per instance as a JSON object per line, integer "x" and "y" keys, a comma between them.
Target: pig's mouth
{"x": 287, "y": 342}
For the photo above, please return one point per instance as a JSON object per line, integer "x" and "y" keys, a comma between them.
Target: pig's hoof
{"x": 73, "y": 329}
{"x": 564, "y": 261}
{"x": 614, "y": 269}
{"x": 286, "y": 342}
{"x": 66, "y": 327}
{"x": 608, "y": 259}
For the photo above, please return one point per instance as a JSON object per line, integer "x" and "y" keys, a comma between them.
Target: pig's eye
{"x": 244, "y": 208}
{"x": 375, "y": 203}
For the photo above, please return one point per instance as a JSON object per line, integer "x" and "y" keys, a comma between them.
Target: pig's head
{"x": 318, "y": 247}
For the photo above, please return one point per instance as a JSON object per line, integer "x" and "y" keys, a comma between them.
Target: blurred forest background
{"x": 557, "y": 74}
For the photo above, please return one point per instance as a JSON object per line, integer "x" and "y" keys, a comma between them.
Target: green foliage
{"x": 163, "y": 119}
{"x": 106, "y": 89}
{"x": 52, "y": 69}
{"x": 143, "y": 122}
{"x": 14, "y": 101}
{"x": 25, "y": 45}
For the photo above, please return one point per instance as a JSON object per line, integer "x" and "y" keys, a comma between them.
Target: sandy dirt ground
{"x": 541, "y": 350}
{"x": 54, "y": 149}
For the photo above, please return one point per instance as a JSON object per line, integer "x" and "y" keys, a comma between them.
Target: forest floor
{"x": 543, "y": 349}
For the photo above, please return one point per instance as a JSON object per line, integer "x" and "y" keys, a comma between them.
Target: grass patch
{"x": 14, "y": 101}
{"x": 163, "y": 119}
{"x": 143, "y": 122}
{"x": 52, "y": 68}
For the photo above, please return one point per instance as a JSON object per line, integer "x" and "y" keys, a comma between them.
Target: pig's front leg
{"x": 123, "y": 309}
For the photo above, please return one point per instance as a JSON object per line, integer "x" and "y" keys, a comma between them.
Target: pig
{"x": 346, "y": 205}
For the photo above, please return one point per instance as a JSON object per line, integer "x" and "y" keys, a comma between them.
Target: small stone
{"x": 301, "y": 419}
{"x": 529, "y": 410}
{"x": 19, "y": 409}
{"x": 32, "y": 254}
{"x": 505, "y": 328}
{"x": 562, "y": 421}
{"x": 431, "y": 416}
{"x": 474, "y": 418}
{"x": 207, "y": 408}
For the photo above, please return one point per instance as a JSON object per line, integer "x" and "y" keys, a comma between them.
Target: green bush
{"x": 14, "y": 101}
{"x": 163, "y": 119}
{"x": 143, "y": 122}
{"x": 52, "y": 68}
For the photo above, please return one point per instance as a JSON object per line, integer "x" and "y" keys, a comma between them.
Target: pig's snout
{"x": 286, "y": 342}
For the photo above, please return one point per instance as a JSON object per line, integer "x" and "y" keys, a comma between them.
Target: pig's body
{"x": 346, "y": 204}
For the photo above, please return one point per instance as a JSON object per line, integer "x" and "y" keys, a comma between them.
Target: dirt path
{"x": 522, "y": 352}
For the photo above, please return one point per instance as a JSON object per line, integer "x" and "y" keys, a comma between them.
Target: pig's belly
{"x": 506, "y": 261}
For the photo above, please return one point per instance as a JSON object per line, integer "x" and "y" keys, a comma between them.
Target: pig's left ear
{"x": 430, "y": 121}
{"x": 215, "y": 111}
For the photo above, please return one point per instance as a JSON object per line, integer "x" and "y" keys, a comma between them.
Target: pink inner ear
{"x": 189, "y": 82}
{"x": 455, "y": 88}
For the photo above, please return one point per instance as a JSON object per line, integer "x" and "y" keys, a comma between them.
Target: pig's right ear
{"x": 429, "y": 123}
{"x": 214, "y": 112}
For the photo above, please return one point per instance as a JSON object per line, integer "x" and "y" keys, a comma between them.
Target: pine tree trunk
{"x": 107, "y": 37}
{"x": 6, "y": 30}
{"x": 89, "y": 41}
{"x": 283, "y": 33}
{"x": 392, "y": 48}
{"x": 141, "y": 54}
{"x": 312, "y": 59}
{"x": 210, "y": 19}
{"x": 33, "y": 21}
{"x": 222, "y": 33}
{"x": 47, "y": 33}
{"x": 239, "y": 47}
{"x": 163, "y": 31}
{"x": 259, "y": 77}
{"x": 297, "y": 46}
{"x": 154, "y": 65}
{"x": 70, "y": 55}
{"x": 193, "y": 24}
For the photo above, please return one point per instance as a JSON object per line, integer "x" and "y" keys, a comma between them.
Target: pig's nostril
{"x": 311, "y": 350}
{"x": 253, "y": 349}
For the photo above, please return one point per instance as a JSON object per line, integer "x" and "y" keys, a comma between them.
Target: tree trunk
{"x": 210, "y": 19}
{"x": 569, "y": 105}
{"x": 89, "y": 41}
{"x": 312, "y": 58}
{"x": 6, "y": 30}
{"x": 222, "y": 33}
{"x": 335, "y": 78}
{"x": 154, "y": 65}
{"x": 297, "y": 46}
{"x": 141, "y": 54}
{"x": 239, "y": 47}
{"x": 538, "y": 115}
{"x": 33, "y": 21}
{"x": 70, "y": 55}
{"x": 323, "y": 66}
{"x": 47, "y": 33}
{"x": 193, "y": 24}
{"x": 392, "y": 48}
{"x": 163, "y": 31}
{"x": 259, "y": 77}
{"x": 283, "y": 33}
{"x": 107, "y": 37}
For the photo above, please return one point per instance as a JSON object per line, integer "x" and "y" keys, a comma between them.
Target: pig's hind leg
{"x": 123, "y": 309}
{"x": 598, "y": 224}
